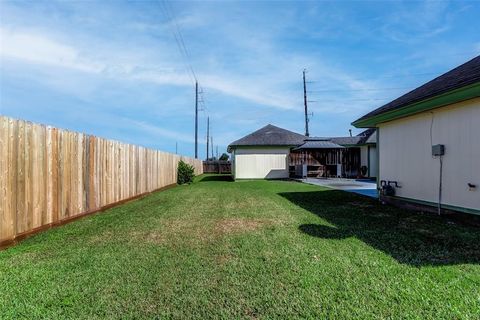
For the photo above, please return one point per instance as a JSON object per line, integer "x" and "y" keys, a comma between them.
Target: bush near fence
{"x": 50, "y": 175}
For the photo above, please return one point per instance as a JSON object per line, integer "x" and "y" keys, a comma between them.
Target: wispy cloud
{"x": 90, "y": 62}
{"x": 156, "y": 131}
{"x": 425, "y": 20}
{"x": 38, "y": 49}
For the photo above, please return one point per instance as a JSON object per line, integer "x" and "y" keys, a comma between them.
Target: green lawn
{"x": 247, "y": 249}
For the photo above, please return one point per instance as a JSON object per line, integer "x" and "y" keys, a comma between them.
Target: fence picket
{"x": 49, "y": 174}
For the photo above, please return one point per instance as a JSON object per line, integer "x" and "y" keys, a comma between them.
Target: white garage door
{"x": 261, "y": 166}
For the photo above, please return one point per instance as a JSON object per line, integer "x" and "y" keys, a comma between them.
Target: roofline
{"x": 231, "y": 147}
{"x": 349, "y": 145}
{"x": 453, "y": 96}
{"x": 312, "y": 148}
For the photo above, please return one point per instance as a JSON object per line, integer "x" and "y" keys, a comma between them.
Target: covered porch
{"x": 324, "y": 159}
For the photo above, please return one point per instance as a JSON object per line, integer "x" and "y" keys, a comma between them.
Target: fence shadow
{"x": 217, "y": 177}
{"x": 409, "y": 237}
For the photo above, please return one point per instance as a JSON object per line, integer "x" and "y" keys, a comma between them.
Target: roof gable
{"x": 270, "y": 135}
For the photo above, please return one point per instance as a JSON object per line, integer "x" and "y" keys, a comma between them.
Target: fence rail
{"x": 49, "y": 175}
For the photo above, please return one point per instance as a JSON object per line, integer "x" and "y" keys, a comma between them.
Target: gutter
{"x": 457, "y": 95}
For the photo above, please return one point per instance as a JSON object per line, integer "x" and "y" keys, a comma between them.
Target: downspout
{"x": 377, "y": 150}
{"x": 440, "y": 187}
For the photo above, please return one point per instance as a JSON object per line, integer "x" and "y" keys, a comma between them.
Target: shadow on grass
{"x": 409, "y": 237}
{"x": 217, "y": 177}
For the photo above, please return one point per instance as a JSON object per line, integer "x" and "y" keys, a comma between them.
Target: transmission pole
{"x": 208, "y": 133}
{"x": 211, "y": 142}
{"x": 305, "y": 103}
{"x": 196, "y": 120}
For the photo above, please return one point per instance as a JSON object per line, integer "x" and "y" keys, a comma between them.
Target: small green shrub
{"x": 185, "y": 173}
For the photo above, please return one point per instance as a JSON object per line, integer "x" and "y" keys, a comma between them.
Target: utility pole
{"x": 211, "y": 140}
{"x": 217, "y": 151}
{"x": 305, "y": 103}
{"x": 196, "y": 120}
{"x": 208, "y": 133}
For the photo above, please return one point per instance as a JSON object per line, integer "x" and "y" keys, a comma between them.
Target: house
{"x": 274, "y": 153}
{"x": 347, "y": 157}
{"x": 429, "y": 143}
{"x": 264, "y": 153}
{"x": 365, "y": 144}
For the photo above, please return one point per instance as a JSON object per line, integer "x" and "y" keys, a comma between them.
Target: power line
{"x": 177, "y": 34}
{"x": 381, "y": 99}
{"x": 359, "y": 90}
{"x": 389, "y": 76}
{"x": 186, "y": 57}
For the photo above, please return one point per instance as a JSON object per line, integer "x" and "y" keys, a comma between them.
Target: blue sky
{"x": 113, "y": 68}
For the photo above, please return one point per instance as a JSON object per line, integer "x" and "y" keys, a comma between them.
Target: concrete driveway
{"x": 364, "y": 187}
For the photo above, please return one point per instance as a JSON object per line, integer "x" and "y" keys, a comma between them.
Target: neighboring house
{"x": 366, "y": 144}
{"x": 429, "y": 143}
{"x": 263, "y": 154}
{"x": 274, "y": 153}
{"x": 348, "y": 157}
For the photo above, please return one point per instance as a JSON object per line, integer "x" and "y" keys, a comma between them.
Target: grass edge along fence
{"x": 49, "y": 176}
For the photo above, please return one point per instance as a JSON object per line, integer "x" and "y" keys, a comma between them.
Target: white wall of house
{"x": 405, "y": 154}
{"x": 364, "y": 156}
{"x": 261, "y": 162}
{"x": 373, "y": 167}
{"x": 368, "y": 158}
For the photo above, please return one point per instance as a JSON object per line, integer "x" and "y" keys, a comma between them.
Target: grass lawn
{"x": 247, "y": 249}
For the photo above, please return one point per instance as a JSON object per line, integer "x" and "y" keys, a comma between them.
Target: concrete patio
{"x": 364, "y": 187}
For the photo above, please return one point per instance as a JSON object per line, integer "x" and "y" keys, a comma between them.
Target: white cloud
{"x": 35, "y": 48}
{"x": 157, "y": 131}
{"x": 413, "y": 24}
{"x": 38, "y": 49}
{"x": 261, "y": 76}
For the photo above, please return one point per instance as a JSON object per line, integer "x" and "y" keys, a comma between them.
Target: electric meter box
{"x": 438, "y": 150}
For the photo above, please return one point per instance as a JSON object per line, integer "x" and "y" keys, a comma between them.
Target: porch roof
{"x": 319, "y": 144}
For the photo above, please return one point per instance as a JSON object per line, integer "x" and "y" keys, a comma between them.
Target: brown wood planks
{"x": 50, "y": 175}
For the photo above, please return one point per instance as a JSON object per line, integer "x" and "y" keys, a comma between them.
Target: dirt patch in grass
{"x": 223, "y": 259}
{"x": 101, "y": 238}
{"x": 199, "y": 231}
{"x": 168, "y": 231}
{"x": 25, "y": 257}
{"x": 239, "y": 225}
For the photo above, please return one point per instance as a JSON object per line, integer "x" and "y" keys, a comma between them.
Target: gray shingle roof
{"x": 366, "y": 136}
{"x": 466, "y": 74}
{"x": 346, "y": 140}
{"x": 269, "y": 135}
{"x": 319, "y": 144}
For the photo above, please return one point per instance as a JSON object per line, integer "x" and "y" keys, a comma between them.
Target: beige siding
{"x": 405, "y": 154}
{"x": 368, "y": 158}
{"x": 373, "y": 161}
{"x": 261, "y": 163}
{"x": 364, "y": 156}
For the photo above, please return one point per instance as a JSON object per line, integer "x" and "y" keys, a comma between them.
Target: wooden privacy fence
{"x": 49, "y": 175}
